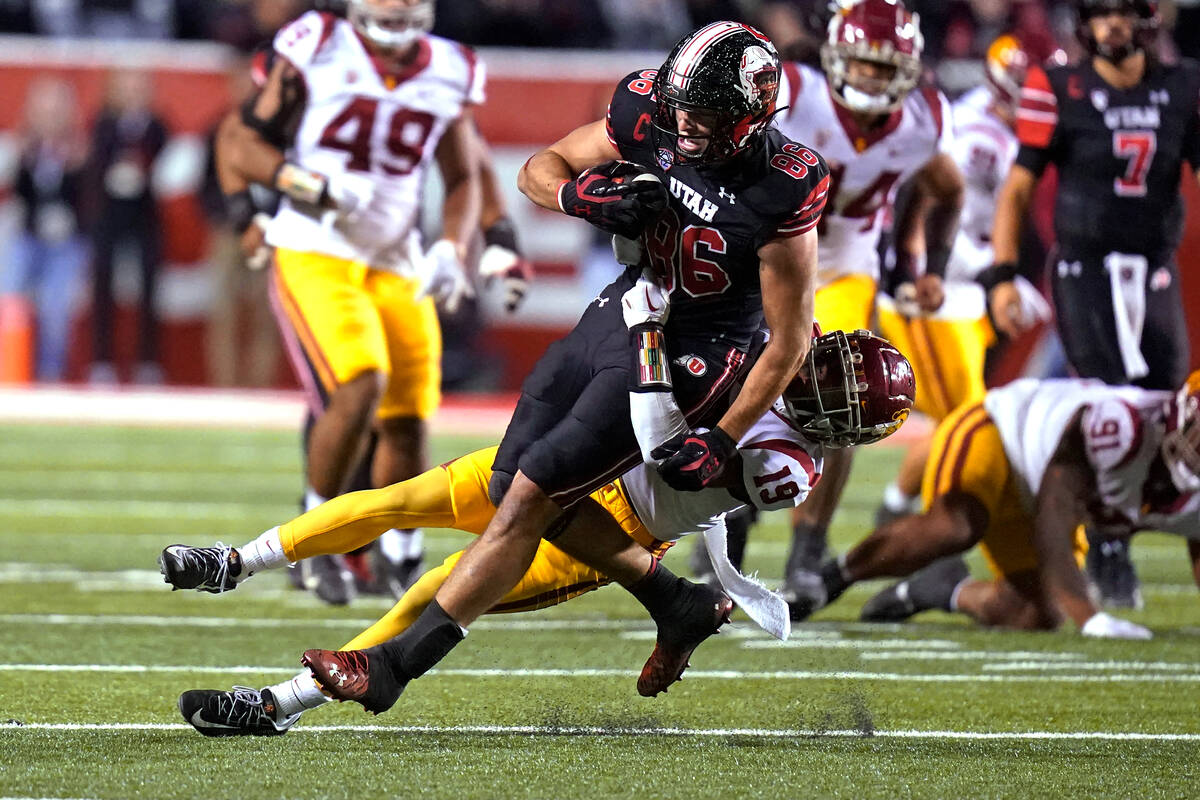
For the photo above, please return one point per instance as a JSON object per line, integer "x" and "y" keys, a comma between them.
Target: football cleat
{"x": 1112, "y": 571}
{"x": 805, "y": 593}
{"x": 926, "y": 589}
{"x": 331, "y": 580}
{"x": 205, "y": 569}
{"x": 355, "y": 676}
{"x": 679, "y": 635}
{"x": 241, "y": 712}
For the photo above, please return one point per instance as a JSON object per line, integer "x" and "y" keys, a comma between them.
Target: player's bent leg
{"x": 936, "y": 586}
{"x": 1014, "y": 602}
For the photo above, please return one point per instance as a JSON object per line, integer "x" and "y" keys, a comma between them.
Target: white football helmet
{"x": 391, "y": 24}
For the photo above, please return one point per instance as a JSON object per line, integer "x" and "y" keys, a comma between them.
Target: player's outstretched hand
{"x": 440, "y": 275}
{"x": 695, "y": 459}
{"x": 1004, "y": 301}
{"x": 617, "y": 197}
{"x": 1106, "y": 626}
{"x": 503, "y": 261}
{"x": 645, "y": 303}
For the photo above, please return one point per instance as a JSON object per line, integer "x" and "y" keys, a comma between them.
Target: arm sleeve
{"x": 1037, "y": 121}
{"x": 778, "y": 468}
{"x": 656, "y": 418}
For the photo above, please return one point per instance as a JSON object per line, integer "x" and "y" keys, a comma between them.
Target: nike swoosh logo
{"x": 650, "y": 304}
{"x": 200, "y": 722}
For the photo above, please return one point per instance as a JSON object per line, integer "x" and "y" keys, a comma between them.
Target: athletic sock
{"x": 263, "y": 553}
{"x": 658, "y": 590}
{"x": 312, "y": 499}
{"x": 414, "y": 652}
{"x": 294, "y": 696}
{"x": 934, "y": 586}
{"x": 397, "y": 545}
{"x": 833, "y": 576}
{"x": 897, "y": 501}
{"x": 808, "y": 547}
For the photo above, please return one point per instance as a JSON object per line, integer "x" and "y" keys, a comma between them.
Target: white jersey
{"x": 380, "y": 125}
{"x": 1122, "y": 429}
{"x": 865, "y": 168}
{"x": 779, "y": 468}
{"x": 984, "y": 149}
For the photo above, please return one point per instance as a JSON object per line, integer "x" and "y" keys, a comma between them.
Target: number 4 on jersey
{"x": 351, "y": 132}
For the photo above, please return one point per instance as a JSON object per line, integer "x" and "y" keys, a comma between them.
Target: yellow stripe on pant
{"x": 453, "y": 495}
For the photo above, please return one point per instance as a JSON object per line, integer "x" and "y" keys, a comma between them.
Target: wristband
{"x": 503, "y": 234}
{"x": 301, "y": 184}
{"x": 997, "y": 273}
{"x": 239, "y": 209}
{"x": 651, "y": 369}
{"x": 558, "y": 195}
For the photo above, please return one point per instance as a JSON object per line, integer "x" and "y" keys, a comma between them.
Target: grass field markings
{"x": 1040, "y": 663}
{"x": 139, "y": 509}
{"x": 843, "y": 644}
{"x": 1070, "y": 659}
{"x": 590, "y": 730}
{"x": 720, "y": 674}
{"x": 134, "y": 620}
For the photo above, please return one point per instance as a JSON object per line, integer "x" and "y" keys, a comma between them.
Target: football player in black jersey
{"x": 1118, "y": 127}
{"x": 724, "y": 209}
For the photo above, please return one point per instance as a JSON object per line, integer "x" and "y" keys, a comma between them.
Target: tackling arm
{"x": 787, "y": 273}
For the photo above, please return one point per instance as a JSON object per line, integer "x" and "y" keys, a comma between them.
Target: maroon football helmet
{"x": 854, "y": 388}
{"x": 883, "y": 31}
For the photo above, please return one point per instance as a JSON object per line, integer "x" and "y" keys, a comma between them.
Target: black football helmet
{"x": 727, "y": 70}
{"x": 1144, "y": 30}
{"x": 854, "y": 388}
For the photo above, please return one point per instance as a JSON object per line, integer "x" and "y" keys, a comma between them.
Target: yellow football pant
{"x": 453, "y": 495}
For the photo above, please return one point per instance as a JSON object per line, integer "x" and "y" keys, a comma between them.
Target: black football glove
{"x": 694, "y": 459}
{"x": 608, "y": 197}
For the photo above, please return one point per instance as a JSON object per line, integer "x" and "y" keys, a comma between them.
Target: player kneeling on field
{"x": 1017, "y": 474}
{"x": 853, "y": 389}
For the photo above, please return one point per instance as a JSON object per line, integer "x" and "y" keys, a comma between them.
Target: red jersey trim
{"x": 1037, "y": 115}
{"x": 791, "y": 450}
{"x": 795, "y": 83}
{"x": 934, "y": 100}
{"x": 859, "y": 138}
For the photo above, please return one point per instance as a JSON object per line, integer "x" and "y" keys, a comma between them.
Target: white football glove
{"x": 646, "y": 302}
{"x": 440, "y": 275}
{"x": 1106, "y": 626}
{"x": 512, "y": 271}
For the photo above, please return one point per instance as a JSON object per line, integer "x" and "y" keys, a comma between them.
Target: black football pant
{"x": 1083, "y": 304}
{"x": 570, "y": 433}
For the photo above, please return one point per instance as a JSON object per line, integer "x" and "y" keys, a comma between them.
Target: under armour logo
{"x": 1160, "y": 97}
{"x": 334, "y": 672}
{"x": 600, "y": 301}
{"x": 727, "y": 196}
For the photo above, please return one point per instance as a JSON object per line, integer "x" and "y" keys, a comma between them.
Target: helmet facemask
{"x": 1181, "y": 443}
{"x": 390, "y": 26}
{"x": 827, "y": 398}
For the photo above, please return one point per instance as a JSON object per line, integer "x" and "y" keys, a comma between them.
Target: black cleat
{"x": 241, "y": 712}
{"x": 355, "y": 676}
{"x": 1112, "y": 572}
{"x": 702, "y": 615}
{"x": 205, "y": 569}
{"x": 804, "y": 592}
{"x": 928, "y": 588}
{"x": 331, "y": 580}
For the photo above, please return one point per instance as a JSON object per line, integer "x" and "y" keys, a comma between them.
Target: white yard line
{"x": 1040, "y": 663}
{"x": 974, "y": 655}
{"x": 802, "y": 675}
{"x": 225, "y": 622}
{"x": 588, "y": 730}
{"x": 848, "y": 644}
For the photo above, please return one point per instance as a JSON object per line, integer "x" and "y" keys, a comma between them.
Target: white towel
{"x": 765, "y": 607}
{"x": 1127, "y": 275}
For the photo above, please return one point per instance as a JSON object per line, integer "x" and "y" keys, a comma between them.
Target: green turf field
{"x": 95, "y": 649}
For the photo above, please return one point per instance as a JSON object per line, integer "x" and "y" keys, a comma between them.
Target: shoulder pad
{"x": 630, "y": 117}
{"x": 299, "y": 40}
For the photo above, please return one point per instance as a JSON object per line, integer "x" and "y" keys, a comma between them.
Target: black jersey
{"x": 1119, "y": 153}
{"x": 705, "y": 245}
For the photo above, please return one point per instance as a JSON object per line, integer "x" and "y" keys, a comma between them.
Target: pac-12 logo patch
{"x": 666, "y": 158}
{"x": 693, "y": 364}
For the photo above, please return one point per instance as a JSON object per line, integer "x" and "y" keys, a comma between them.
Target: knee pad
{"x": 498, "y": 486}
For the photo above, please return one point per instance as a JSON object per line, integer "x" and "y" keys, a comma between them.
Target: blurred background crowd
{"x": 105, "y": 177}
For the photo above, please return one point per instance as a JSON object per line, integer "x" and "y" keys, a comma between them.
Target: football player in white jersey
{"x": 853, "y": 387}
{"x": 350, "y": 118}
{"x": 1018, "y": 474}
{"x": 876, "y": 130}
{"x": 948, "y": 346}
